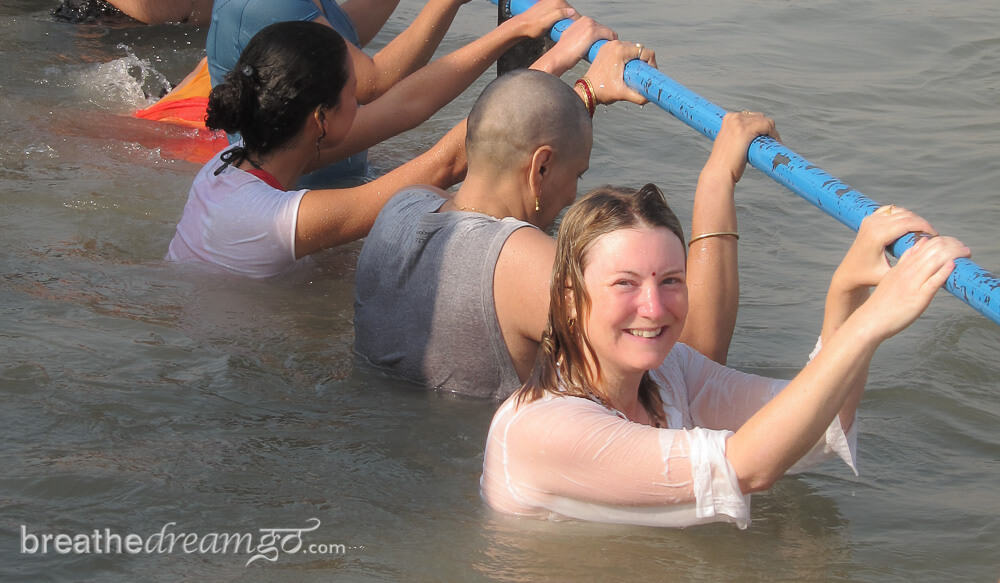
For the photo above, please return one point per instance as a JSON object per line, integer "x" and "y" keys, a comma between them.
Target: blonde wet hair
{"x": 562, "y": 366}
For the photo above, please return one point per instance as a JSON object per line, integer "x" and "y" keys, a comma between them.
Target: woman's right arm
{"x": 331, "y": 217}
{"x": 790, "y": 424}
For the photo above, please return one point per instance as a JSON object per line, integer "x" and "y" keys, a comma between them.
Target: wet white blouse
{"x": 570, "y": 457}
{"x": 237, "y": 222}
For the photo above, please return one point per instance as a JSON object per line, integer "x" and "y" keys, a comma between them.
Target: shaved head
{"x": 519, "y": 112}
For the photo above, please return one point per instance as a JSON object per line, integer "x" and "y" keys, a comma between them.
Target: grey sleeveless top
{"x": 423, "y": 297}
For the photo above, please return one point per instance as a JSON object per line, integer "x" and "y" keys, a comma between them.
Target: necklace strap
{"x": 472, "y": 209}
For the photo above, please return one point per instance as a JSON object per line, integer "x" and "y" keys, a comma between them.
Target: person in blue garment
{"x": 235, "y": 22}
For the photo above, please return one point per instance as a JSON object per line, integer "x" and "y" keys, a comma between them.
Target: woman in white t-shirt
{"x": 291, "y": 97}
{"x": 620, "y": 423}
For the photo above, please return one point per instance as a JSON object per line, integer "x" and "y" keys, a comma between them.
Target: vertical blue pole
{"x": 968, "y": 282}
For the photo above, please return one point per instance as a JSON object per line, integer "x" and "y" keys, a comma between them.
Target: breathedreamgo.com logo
{"x": 268, "y": 544}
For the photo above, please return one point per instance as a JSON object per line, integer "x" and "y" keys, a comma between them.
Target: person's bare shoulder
{"x": 521, "y": 282}
{"x": 528, "y": 251}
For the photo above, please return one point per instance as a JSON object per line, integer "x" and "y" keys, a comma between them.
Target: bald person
{"x": 453, "y": 293}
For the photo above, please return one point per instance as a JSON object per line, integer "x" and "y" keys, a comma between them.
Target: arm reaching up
{"x": 406, "y": 53}
{"x": 712, "y": 263}
{"x": 863, "y": 267}
{"x": 787, "y": 427}
{"x": 331, "y": 217}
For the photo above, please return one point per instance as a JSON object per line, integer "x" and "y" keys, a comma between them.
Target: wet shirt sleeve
{"x": 570, "y": 457}
{"x": 239, "y": 223}
{"x": 719, "y": 397}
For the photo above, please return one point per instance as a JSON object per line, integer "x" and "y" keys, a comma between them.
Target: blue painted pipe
{"x": 968, "y": 282}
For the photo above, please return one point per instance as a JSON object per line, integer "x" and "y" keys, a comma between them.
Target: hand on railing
{"x": 573, "y": 45}
{"x": 538, "y": 20}
{"x": 908, "y": 287}
{"x": 729, "y": 152}
{"x": 605, "y": 73}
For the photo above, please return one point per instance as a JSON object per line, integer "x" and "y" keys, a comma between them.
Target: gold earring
{"x": 538, "y": 207}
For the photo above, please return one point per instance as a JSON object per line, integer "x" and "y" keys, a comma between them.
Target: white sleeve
{"x": 723, "y": 398}
{"x": 834, "y": 441}
{"x": 571, "y": 457}
{"x": 254, "y": 232}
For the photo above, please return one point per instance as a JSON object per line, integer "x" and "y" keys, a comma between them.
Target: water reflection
{"x": 797, "y": 534}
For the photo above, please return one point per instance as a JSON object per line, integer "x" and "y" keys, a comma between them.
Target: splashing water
{"x": 120, "y": 85}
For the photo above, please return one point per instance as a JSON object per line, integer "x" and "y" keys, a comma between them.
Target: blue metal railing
{"x": 968, "y": 282}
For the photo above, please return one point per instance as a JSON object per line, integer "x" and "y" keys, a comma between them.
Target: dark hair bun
{"x": 231, "y": 103}
{"x": 286, "y": 71}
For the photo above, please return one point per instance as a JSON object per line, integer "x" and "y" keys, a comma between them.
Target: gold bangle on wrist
{"x": 593, "y": 91}
{"x": 591, "y": 97}
{"x": 715, "y": 234}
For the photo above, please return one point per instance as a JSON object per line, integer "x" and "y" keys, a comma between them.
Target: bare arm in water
{"x": 196, "y": 12}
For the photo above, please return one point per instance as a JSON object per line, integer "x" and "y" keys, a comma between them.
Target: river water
{"x": 142, "y": 398}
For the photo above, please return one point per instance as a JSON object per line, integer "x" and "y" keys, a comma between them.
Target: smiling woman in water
{"x": 621, "y": 423}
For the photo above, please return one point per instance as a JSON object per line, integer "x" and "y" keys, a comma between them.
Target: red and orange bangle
{"x": 590, "y": 96}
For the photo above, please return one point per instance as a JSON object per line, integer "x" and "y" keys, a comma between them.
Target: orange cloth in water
{"x": 186, "y": 104}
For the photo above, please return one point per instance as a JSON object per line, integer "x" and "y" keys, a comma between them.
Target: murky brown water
{"x": 134, "y": 394}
